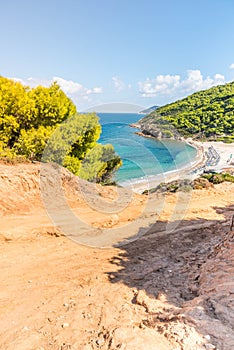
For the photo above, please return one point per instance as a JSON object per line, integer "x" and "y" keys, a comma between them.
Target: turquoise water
{"x": 142, "y": 157}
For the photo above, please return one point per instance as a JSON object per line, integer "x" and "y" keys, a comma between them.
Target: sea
{"x": 143, "y": 158}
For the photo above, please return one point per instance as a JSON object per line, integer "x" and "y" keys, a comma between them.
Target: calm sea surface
{"x": 142, "y": 157}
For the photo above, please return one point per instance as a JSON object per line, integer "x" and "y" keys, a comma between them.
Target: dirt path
{"x": 166, "y": 290}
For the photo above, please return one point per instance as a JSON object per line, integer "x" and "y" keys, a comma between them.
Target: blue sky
{"x": 143, "y": 52}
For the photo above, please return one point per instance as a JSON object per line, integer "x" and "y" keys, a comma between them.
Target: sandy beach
{"x": 192, "y": 170}
{"x": 225, "y": 150}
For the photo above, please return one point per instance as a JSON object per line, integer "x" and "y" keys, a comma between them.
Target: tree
{"x": 99, "y": 163}
{"x": 51, "y": 106}
{"x": 31, "y": 143}
{"x": 43, "y": 123}
{"x": 209, "y": 112}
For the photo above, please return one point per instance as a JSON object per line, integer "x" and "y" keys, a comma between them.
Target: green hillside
{"x": 207, "y": 114}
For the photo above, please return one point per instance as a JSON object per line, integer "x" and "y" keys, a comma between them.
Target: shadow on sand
{"x": 170, "y": 264}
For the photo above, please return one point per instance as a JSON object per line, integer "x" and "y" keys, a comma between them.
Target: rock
{"x": 65, "y": 325}
{"x": 201, "y": 183}
{"x": 145, "y": 301}
{"x": 207, "y": 337}
{"x": 100, "y": 342}
{"x": 209, "y": 346}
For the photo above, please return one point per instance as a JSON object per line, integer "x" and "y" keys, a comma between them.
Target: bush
{"x": 219, "y": 178}
{"x": 43, "y": 123}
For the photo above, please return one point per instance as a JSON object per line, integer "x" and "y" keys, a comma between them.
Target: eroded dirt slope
{"x": 169, "y": 289}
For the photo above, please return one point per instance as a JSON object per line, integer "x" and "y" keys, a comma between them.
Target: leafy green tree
{"x": 52, "y": 106}
{"x": 32, "y": 142}
{"x": 99, "y": 163}
{"x": 43, "y": 123}
{"x": 74, "y": 137}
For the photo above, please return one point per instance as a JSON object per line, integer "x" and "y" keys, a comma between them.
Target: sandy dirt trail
{"x": 166, "y": 290}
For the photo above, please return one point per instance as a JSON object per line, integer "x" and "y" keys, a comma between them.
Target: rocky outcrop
{"x": 150, "y": 128}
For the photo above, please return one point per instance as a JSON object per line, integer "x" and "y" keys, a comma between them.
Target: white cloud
{"x": 95, "y": 90}
{"x": 173, "y": 85}
{"x": 118, "y": 83}
{"x": 69, "y": 86}
{"x": 32, "y": 82}
{"x": 76, "y": 91}
{"x": 231, "y": 66}
{"x": 219, "y": 77}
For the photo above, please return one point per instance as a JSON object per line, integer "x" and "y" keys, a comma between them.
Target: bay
{"x": 142, "y": 157}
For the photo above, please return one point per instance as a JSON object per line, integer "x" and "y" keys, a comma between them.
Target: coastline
{"x": 189, "y": 171}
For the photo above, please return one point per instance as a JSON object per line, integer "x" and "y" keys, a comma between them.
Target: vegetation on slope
{"x": 31, "y": 119}
{"x": 203, "y": 182}
{"x": 207, "y": 114}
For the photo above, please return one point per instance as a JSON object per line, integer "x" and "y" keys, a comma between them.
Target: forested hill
{"x": 207, "y": 114}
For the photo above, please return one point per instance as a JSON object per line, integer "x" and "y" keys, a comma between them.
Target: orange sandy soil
{"x": 172, "y": 288}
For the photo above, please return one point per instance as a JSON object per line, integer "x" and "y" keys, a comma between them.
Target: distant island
{"x": 116, "y": 108}
{"x": 149, "y": 110}
{"x": 204, "y": 115}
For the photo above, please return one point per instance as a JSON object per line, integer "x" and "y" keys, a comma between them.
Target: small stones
{"x": 207, "y": 337}
{"x": 65, "y": 325}
{"x": 210, "y": 346}
{"x": 141, "y": 325}
{"x": 100, "y": 342}
{"x": 86, "y": 315}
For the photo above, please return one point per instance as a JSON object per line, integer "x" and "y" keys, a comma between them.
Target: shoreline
{"x": 190, "y": 171}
